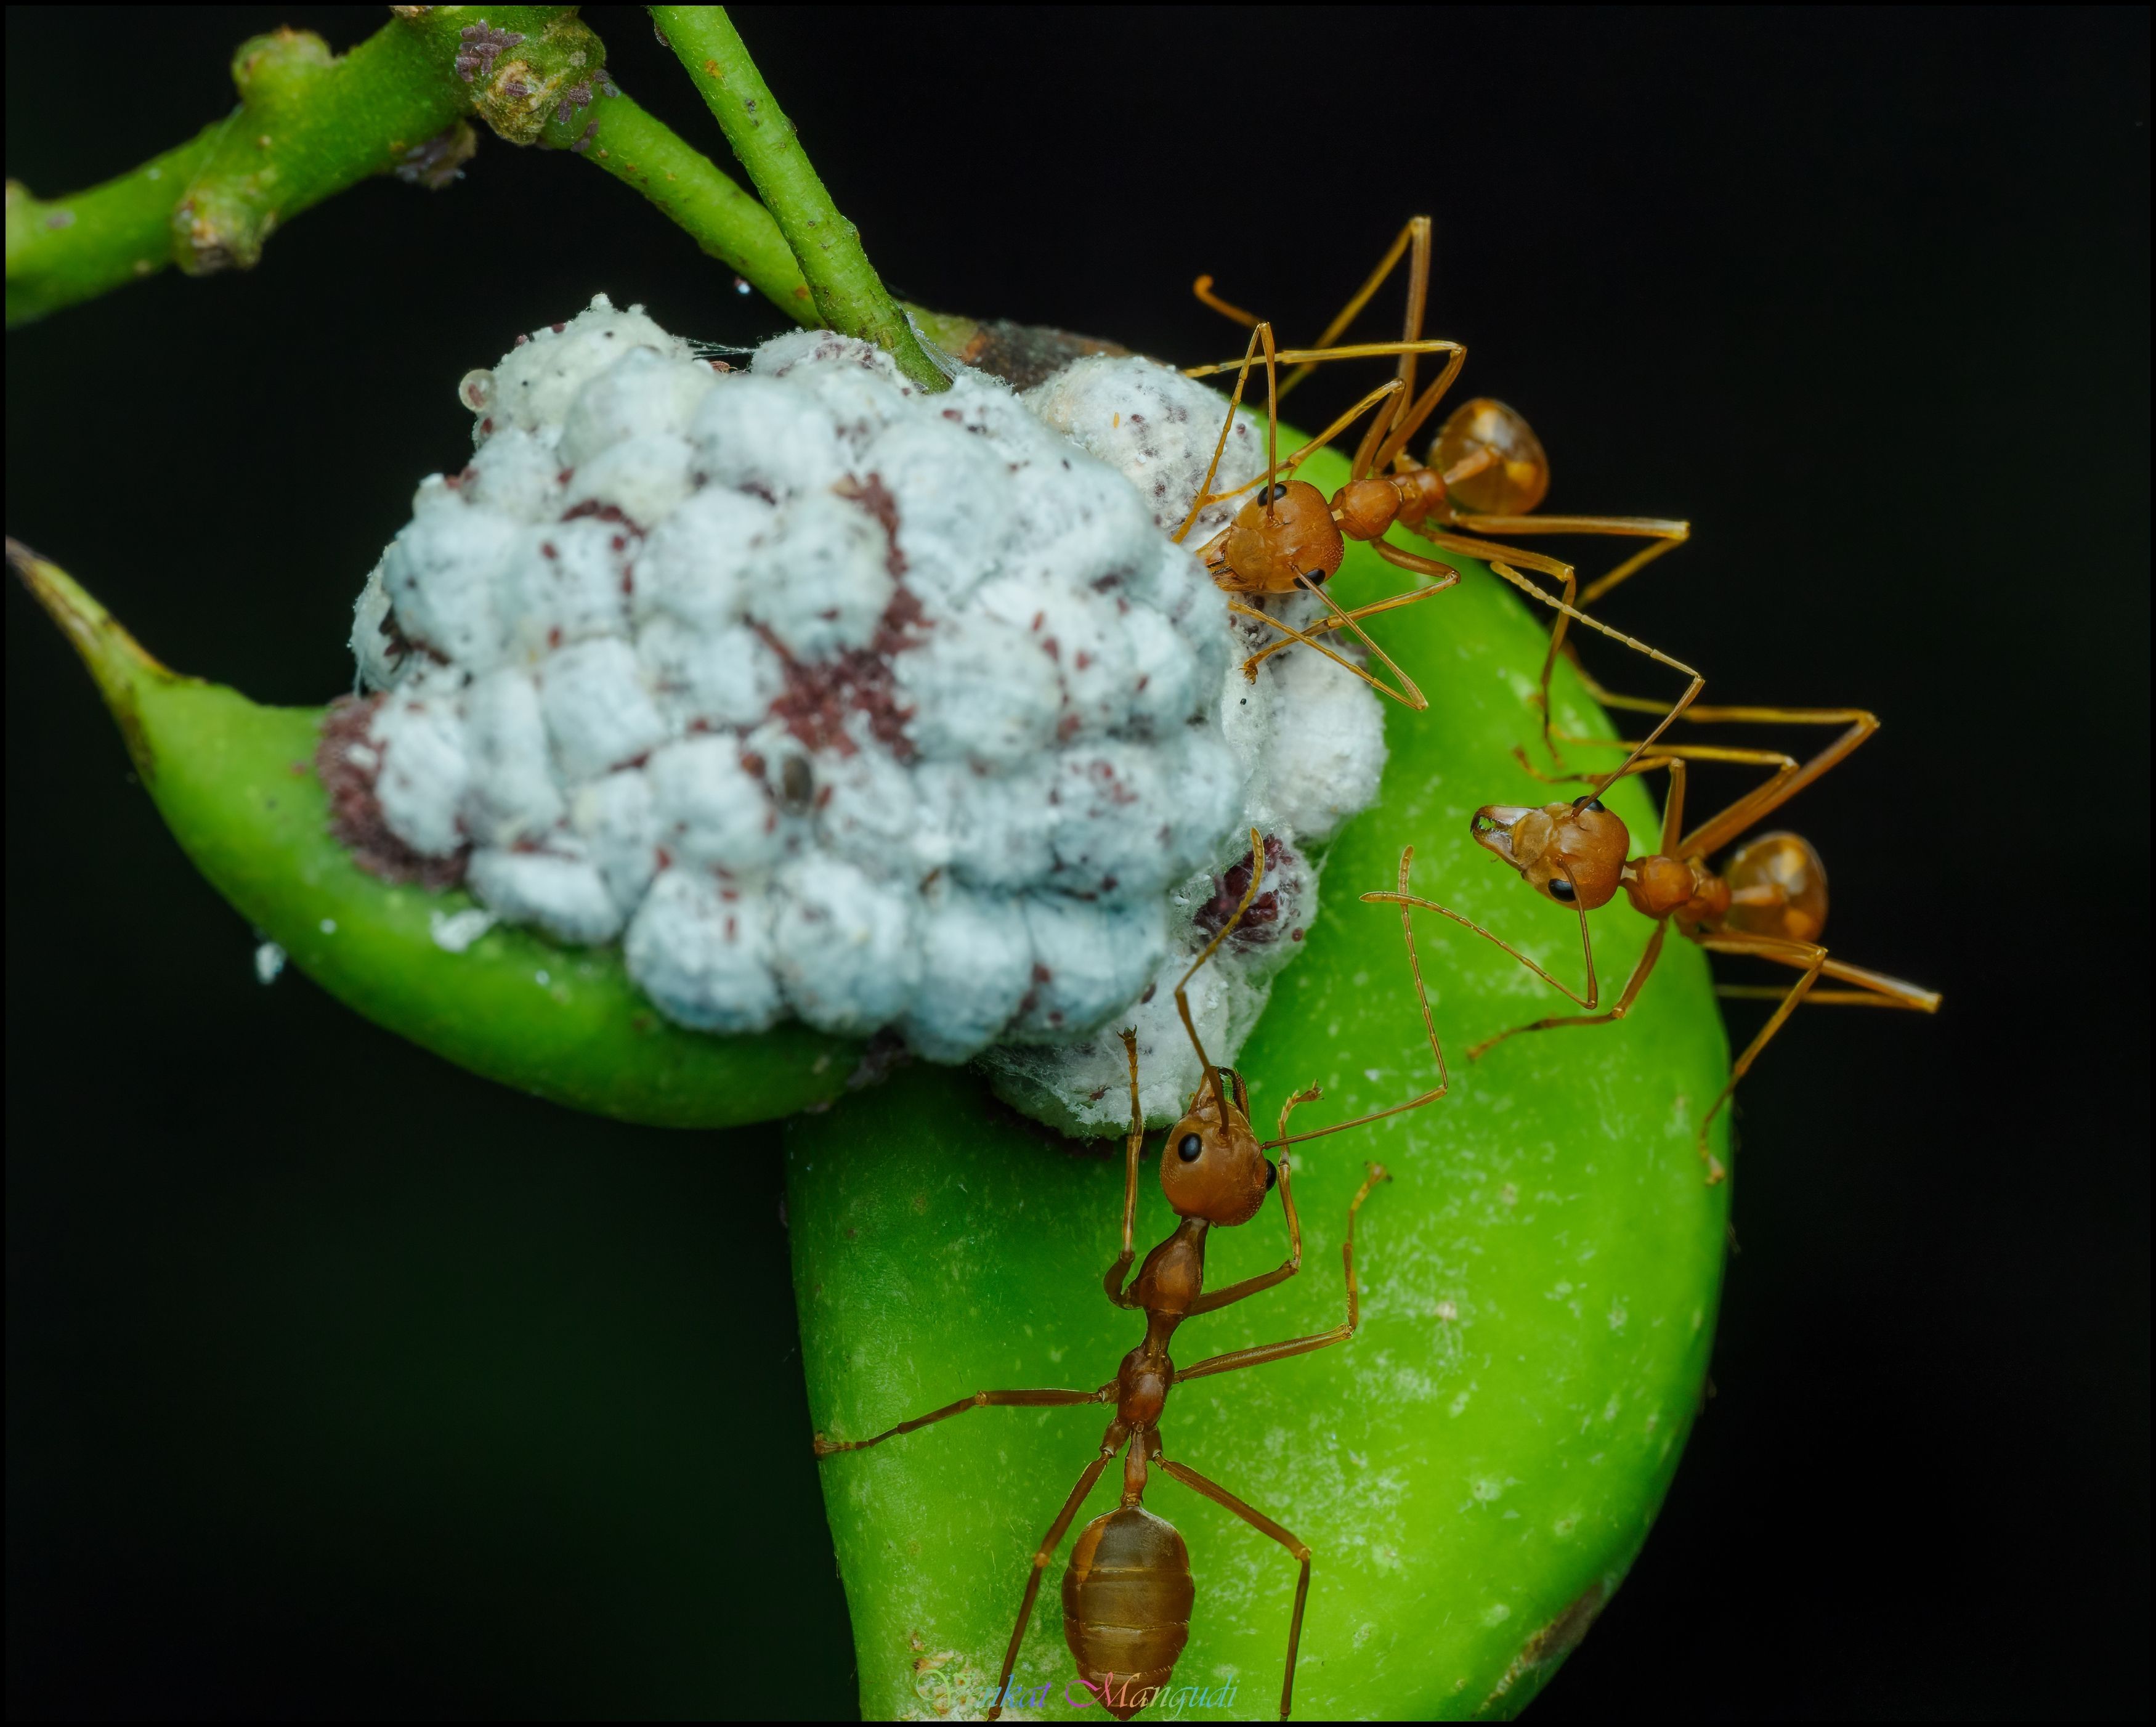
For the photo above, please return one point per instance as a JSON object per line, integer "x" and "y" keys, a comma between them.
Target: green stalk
{"x": 311, "y": 123}
{"x": 849, "y": 294}
{"x": 690, "y": 191}
{"x": 81, "y": 247}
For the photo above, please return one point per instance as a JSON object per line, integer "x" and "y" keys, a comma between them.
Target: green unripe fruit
{"x": 1474, "y": 1471}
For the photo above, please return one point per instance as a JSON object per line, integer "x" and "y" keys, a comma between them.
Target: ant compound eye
{"x": 1562, "y": 890}
{"x": 1588, "y": 803}
{"x": 1272, "y": 1174}
{"x": 1278, "y": 492}
{"x": 1190, "y": 1148}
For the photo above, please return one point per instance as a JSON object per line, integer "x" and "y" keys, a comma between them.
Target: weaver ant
{"x": 1768, "y": 901}
{"x": 1127, "y": 1590}
{"x": 1485, "y": 471}
{"x": 1290, "y": 537}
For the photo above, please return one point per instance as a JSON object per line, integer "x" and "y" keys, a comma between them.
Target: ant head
{"x": 1211, "y": 1166}
{"x": 1286, "y": 531}
{"x": 1572, "y": 853}
{"x": 1505, "y": 472}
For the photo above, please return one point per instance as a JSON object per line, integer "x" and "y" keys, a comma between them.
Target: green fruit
{"x": 236, "y": 785}
{"x": 1474, "y": 1470}
{"x": 1477, "y": 1467}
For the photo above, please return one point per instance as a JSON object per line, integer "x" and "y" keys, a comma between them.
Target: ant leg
{"x": 1804, "y": 954}
{"x": 1665, "y": 534}
{"x": 1404, "y": 900}
{"x": 1227, "y": 424}
{"x": 1756, "y": 804}
{"x": 1113, "y": 1283}
{"x": 1762, "y": 801}
{"x": 1497, "y": 555}
{"x": 1449, "y": 577}
{"x": 1203, "y": 288}
{"x": 1415, "y": 232}
{"x": 1207, "y": 496}
{"x": 1393, "y": 451}
{"x": 1215, "y": 1299}
{"x": 1639, "y": 978}
{"x": 980, "y": 1399}
{"x": 1436, "y": 1049}
{"x": 1875, "y": 989}
{"x": 1183, "y": 1000}
{"x": 1263, "y": 1353}
{"x": 1415, "y": 699}
{"x": 1110, "y": 1443}
{"x": 1310, "y": 357}
{"x": 1672, "y": 756}
{"x": 1265, "y": 1526}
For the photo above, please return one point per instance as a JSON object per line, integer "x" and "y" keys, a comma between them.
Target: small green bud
{"x": 279, "y": 66}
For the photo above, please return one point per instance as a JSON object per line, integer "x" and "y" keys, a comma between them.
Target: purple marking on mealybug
{"x": 482, "y": 47}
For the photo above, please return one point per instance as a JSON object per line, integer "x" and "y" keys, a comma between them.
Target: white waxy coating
{"x": 1158, "y": 429}
{"x": 878, "y": 710}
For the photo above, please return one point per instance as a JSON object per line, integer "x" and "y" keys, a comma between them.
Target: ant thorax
{"x": 830, "y": 699}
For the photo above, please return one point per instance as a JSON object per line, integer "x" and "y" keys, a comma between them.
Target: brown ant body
{"x": 1767, "y": 901}
{"x": 1486, "y": 469}
{"x": 1127, "y": 1591}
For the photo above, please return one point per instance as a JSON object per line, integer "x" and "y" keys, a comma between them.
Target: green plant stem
{"x": 309, "y": 124}
{"x": 79, "y": 247}
{"x": 691, "y": 190}
{"x": 849, "y": 294}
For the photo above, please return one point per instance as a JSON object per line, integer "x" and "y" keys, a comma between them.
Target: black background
{"x": 340, "y": 1382}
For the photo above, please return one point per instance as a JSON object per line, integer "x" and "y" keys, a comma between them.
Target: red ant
{"x": 1768, "y": 901}
{"x": 1127, "y": 1591}
{"x": 1290, "y": 537}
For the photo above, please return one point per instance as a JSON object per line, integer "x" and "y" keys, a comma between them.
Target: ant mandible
{"x": 1768, "y": 901}
{"x": 1290, "y": 537}
{"x": 1127, "y": 1591}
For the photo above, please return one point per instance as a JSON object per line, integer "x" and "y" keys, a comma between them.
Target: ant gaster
{"x": 1127, "y": 1591}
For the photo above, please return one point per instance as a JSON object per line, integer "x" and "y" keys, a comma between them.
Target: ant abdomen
{"x": 1491, "y": 460}
{"x": 1126, "y": 1599}
{"x": 1777, "y": 887}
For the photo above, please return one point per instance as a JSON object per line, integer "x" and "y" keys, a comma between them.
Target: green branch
{"x": 77, "y": 248}
{"x": 690, "y": 190}
{"x": 311, "y": 123}
{"x": 849, "y": 294}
